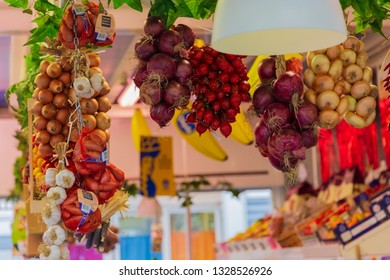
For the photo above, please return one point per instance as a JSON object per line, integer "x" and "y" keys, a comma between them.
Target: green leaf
{"x": 166, "y": 9}
{"x": 369, "y": 14}
{"x": 170, "y": 10}
{"x": 18, "y": 3}
{"x": 28, "y": 11}
{"x": 197, "y": 9}
{"x": 135, "y": 4}
{"x": 345, "y": 4}
{"x": 44, "y": 5}
{"x": 376, "y": 26}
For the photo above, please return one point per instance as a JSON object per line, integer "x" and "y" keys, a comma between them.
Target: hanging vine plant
{"x": 47, "y": 20}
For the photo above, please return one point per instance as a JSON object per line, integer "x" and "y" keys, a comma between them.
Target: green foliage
{"x": 170, "y": 10}
{"x": 25, "y": 88}
{"x": 368, "y": 14}
{"x": 186, "y": 187}
{"x": 130, "y": 188}
{"x": 134, "y": 4}
{"x": 47, "y": 19}
{"x": 18, "y": 3}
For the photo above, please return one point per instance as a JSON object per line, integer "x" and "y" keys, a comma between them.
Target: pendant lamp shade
{"x": 272, "y": 27}
{"x": 149, "y": 207}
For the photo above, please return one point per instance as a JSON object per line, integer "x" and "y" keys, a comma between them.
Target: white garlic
{"x": 54, "y": 235}
{"x": 51, "y": 214}
{"x": 57, "y": 195}
{"x": 97, "y": 81}
{"x": 50, "y": 176}
{"x": 82, "y": 87}
{"x": 50, "y": 252}
{"x": 64, "y": 252}
{"x": 65, "y": 179}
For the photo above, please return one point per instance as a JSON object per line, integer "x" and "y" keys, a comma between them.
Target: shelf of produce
{"x": 294, "y": 253}
{"x": 372, "y": 244}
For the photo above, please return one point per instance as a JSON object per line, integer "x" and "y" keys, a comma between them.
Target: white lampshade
{"x": 254, "y": 27}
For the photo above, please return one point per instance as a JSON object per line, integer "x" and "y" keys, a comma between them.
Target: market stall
{"x": 120, "y": 100}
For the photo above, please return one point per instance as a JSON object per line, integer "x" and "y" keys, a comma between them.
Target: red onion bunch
{"x": 220, "y": 84}
{"x": 287, "y": 125}
{"x": 163, "y": 73}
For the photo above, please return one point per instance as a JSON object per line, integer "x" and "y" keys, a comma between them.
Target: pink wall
{"x": 8, "y": 154}
{"x": 241, "y": 158}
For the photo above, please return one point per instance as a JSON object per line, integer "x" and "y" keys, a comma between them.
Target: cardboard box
{"x": 33, "y": 242}
{"x": 35, "y": 224}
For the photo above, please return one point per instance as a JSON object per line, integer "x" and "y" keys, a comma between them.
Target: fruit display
{"x": 306, "y": 220}
{"x": 287, "y": 123}
{"x": 220, "y": 84}
{"x": 338, "y": 81}
{"x": 259, "y": 228}
{"x": 163, "y": 73}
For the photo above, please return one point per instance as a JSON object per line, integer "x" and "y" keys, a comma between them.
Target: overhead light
{"x": 149, "y": 207}
{"x": 272, "y": 27}
{"x": 129, "y": 96}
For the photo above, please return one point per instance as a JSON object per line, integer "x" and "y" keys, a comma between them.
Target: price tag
{"x": 102, "y": 158}
{"x": 105, "y": 27}
{"x": 88, "y": 204}
{"x": 79, "y": 9}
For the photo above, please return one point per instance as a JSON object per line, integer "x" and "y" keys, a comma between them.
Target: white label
{"x": 363, "y": 226}
{"x": 85, "y": 208}
{"x": 101, "y": 36}
{"x": 104, "y": 155}
{"x": 79, "y": 10}
{"x": 346, "y": 236}
{"x": 380, "y": 215}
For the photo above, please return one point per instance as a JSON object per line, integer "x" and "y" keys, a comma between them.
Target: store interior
{"x": 212, "y": 196}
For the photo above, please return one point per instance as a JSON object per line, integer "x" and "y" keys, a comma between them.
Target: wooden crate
{"x": 33, "y": 242}
{"x": 289, "y": 238}
{"x": 35, "y": 224}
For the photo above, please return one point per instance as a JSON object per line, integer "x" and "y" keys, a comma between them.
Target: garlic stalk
{"x": 82, "y": 87}
{"x": 97, "y": 81}
{"x": 49, "y": 252}
{"x": 65, "y": 179}
{"x": 57, "y": 195}
{"x": 50, "y": 176}
{"x": 51, "y": 214}
{"x": 119, "y": 202}
{"x": 54, "y": 235}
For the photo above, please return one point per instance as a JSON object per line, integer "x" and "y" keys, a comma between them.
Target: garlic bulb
{"x": 50, "y": 176}
{"x": 51, "y": 214}
{"x": 64, "y": 252}
{"x": 65, "y": 179}
{"x": 49, "y": 252}
{"x": 82, "y": 87}
{"x": 57, "y": 195}
{"x": 54, "y": 235}
{"x": 97, "y": 81}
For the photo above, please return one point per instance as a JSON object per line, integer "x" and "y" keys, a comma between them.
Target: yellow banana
{"x": 254, "y": 79}
{"x": 241, "y": 130}
{"x": 205, "y": 144}
{"x": 139, "y": 127}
